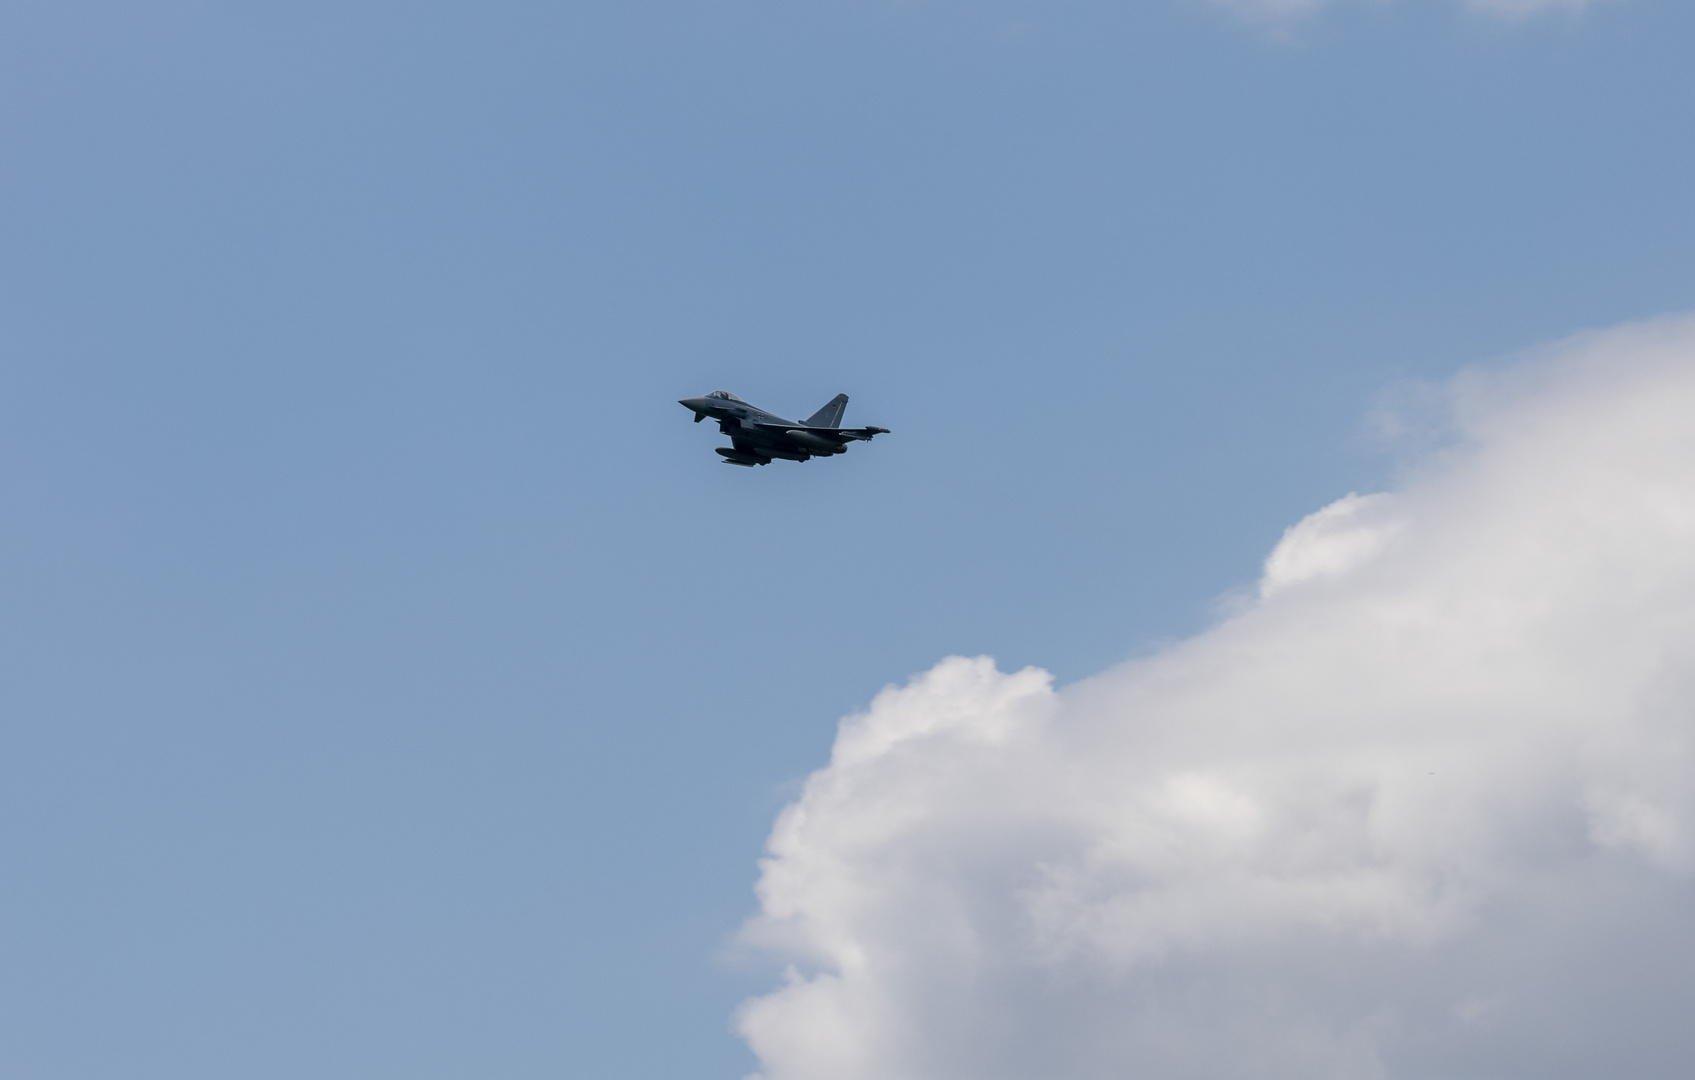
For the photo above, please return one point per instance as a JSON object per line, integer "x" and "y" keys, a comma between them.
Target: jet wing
{"x": 826, "y": 432}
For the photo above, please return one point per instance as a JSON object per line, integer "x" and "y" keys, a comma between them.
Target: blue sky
{"x": 394, "y": 682}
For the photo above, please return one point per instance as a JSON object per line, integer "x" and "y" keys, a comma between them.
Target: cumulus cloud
{"x": 1425, "y": 809}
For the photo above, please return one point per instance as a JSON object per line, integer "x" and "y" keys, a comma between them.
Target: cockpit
{"x": 726, "y": 396}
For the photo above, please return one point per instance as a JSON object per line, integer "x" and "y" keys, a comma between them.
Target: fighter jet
{"x": 757, "y": 436}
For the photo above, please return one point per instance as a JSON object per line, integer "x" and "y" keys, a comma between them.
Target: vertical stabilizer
{"x": 831, "y": 414}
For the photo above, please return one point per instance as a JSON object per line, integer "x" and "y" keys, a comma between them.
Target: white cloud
{"x": 1332, "y": 541}
{"x": 1427, "y": 809}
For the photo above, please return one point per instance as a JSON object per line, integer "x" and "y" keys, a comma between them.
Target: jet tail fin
{"x": 831, "y": 414}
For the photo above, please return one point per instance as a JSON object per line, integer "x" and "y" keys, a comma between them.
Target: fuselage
{"x": 757, "y": 436}
{"x": 730, "y": 407}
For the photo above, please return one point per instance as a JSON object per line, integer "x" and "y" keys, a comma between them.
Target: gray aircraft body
{"x": 757, "y": 436}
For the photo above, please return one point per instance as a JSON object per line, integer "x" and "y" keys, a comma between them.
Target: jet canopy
{"x": 726, "y": 395}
